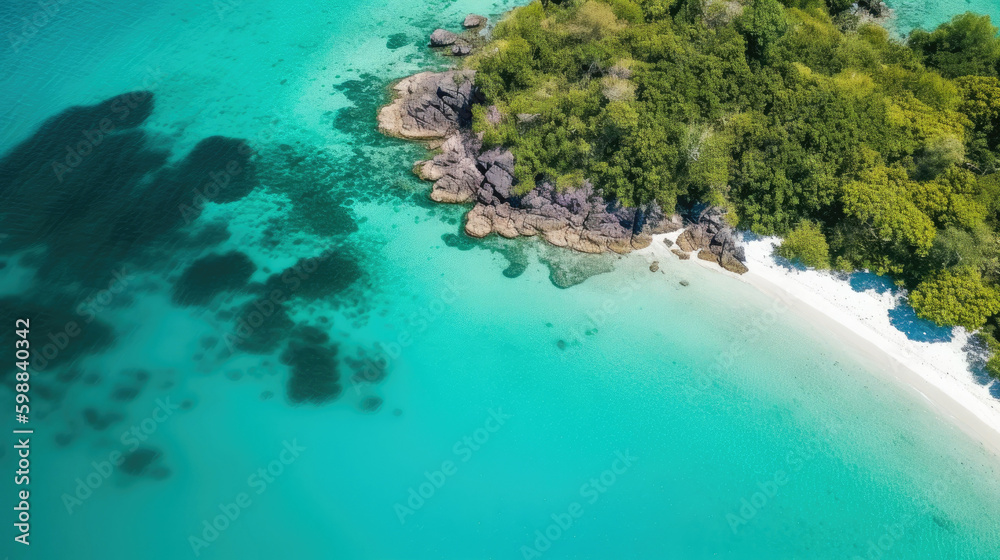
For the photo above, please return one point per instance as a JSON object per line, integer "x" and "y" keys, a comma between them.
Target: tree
{"x": 656, "y": 9}
{"x": 641, "y": 168}
{"x": 965, "y": 46}
{"x": 881, "y": 200}
{"x": 980, "y": 102}
{"x": 837, "y": 6}
{"x": 956, "y": 298}
{"x": 806, "y": 244}
{"x": 511, "y": 67}
{"x": 949, "y": 199}
{"x": 956, "y": 247}
{"x": 762, "y": 23}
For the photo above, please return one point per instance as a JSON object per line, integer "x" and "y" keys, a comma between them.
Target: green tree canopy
{"x": 956, "y": 298}
{"x": 806, "y": 244}
{"x": 861, "y": 150}
{"x": 762, "y": 23}
{"x": 965, "y": 46}
{"x": 880, "y": 198}
{"x": 980, "y": 102}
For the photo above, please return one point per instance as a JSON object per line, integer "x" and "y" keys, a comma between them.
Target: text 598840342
{"x": 22, "y": 378}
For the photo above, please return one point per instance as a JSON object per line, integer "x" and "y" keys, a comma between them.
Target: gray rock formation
{"x": 580, "y": 219}
{"x": 473, "y": 20}
{"x": 429, "y": 106}
{"x": 438, "y": 107}
{"x": 453, "y": 171}
{"x": 461, "y": 49}
{"x": 715, "y": 241}
{"x": 443, "y": 38}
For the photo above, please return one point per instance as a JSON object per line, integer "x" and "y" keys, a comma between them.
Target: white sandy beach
{"x": 938, "y": 371}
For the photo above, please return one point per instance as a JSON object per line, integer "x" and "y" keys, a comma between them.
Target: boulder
{"x": 732, "y": 264}
{"x": 501, "y": 182}
{"x": 429, "y": 106}
{"x": 443, "y": 38}
{"x": 714, "y": 240}
{"x": 476, "y": 222}
{"x": 461, "y": 50}
{"x": 686, "y": 242}
{"x": 708, "y": 256}
{"x": 493, "y": 115}
{"x": 874, "y": 8}
{"x": 473, "y": 20}
{"x": 454, "y": 170}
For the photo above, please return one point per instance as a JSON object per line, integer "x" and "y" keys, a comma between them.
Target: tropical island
{"x": 596, "y": 124}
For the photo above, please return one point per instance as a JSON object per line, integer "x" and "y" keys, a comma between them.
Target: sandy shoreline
{"x": 938, "y": 372}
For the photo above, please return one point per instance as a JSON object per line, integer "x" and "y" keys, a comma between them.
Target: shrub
{"x": 806, "y": 244}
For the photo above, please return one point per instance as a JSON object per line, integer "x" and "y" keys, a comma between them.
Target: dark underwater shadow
{"x": 89, "y": 193}
{"x": 87, "y": 200}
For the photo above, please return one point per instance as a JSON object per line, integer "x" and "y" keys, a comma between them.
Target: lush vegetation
{"x": 806, "y": 244}
{"x": 865, "y": 151}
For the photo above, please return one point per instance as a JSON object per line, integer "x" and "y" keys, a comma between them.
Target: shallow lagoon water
{"x": 746, "y": 433}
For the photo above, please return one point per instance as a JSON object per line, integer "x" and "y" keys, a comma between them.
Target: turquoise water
{"x": 911, "y": 14}
{"x": 626, "y": 417}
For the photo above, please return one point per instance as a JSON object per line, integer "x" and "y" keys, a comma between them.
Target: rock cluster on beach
{"x": 714, "y": 240}
{"x": 437, "y": 108}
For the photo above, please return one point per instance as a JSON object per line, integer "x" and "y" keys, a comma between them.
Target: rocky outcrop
{"x": 580, "y": 219}
{"x": 875, "y": 9}
{"x": 429, "y": 106}
{"x": 454, "y": 171}
{"x": 714, "y": 240}
{"x": 438, "y": 107}
{"x": 473, "y": 21}
{"x": 443, "y": 38}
